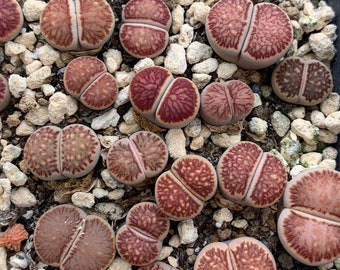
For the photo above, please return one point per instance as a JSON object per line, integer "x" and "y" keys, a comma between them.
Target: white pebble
{"x": 193, "y": 128}
{"x": 197, "y": 13}
{"x": 37, "y": 78}
{"x": 197, "y": 143}
{"x": 109, "y": 118}
{"x": 258, "y": 126}
{"x": 187, "y": 231}
{"x": 311, "y": 159}
{"x": 305, "y": 130}
{"x": 122, "y": 97}
{"x": 32, "y": 9}
{"x": 175, "y": 140}
{"x": 13, "y": 49}
{"x": 200, "y": 80}
{"x": 175, "y": 60}
{"x": 165, "y": 253}
{"x": 48, "y": 89}
{"x": 34, "y": 66}
{"x": 112, "y": 211}
{"x": 329, "y": 153}
{"x": 332, "y": 122}
{"x": 240, "y": 223}
{"x": 297, "y": 113}
{"x": 38, "y": 116}
{"x": 329, "y": 163}
{"x": 225, "y": 140}
{"x": 99, "y": 193}
{"x": 17, "y": 85}
{"x": 58, "y": 107}
{"x": 112, "y": 59}
{"x": 5, "y": 196}
{"x": 177, "y": 19}
{"x": 222, "y": 215}
{"x": 22, "y": 197}
{"x": 128, "y": 117}
{"x": 125, "y": 128}
{"x": 19, "y": 260}
{"x": 207, "y": 66}
{"x": 318, "y": 119}
{"x": 13, "y": 174}
{"x": 327, "y": 136}
{"x": 330, "y": 104}
{"x": 175, "y": 241}
{"x": 226, "y": 70}
{"x": 83, "y": 199}
{"x": 296, "y": 170}
{"x": 143, "y": 63}
{"x": 290, "y": 148}
{"x": 322, "y": 46}
{"x": 9, "y": 153}
{"x": 25, "y": 128}
{"x": 197, "y": 51}
{"x": 47, "y": 55}
{"x": 119, "y": 264}
{"x": 116, "y": 194}
{"x": 124, "y": 78}
{"x": 280, "y": 122}
{"x": 3, "y": 258}
{"x": 27, "y": 39}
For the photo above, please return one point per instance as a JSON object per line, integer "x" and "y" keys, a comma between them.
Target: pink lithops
{"x": 86, "y": 79}
{"x": 165, "y": 101}
{"x": 309, "y": 224}
{"x": 181, "y": 192}
{"x": 144, "y": 32}
{"x": 132, "y": 160}
{"x": 249, "y": 176}
{"x": 251, "y": 36}
{"x": 66, "y": 237}
{"x": 139, "y": 240}
{"x": 53, "y": 153}
{"x": 11, "y": 19}
{"x": 237, "y": 254}
{"x": 77, "y": 25}
{"x": 226, "y": 103}
{"x": 300, "y": 81}
{"x": 5, "y": 95}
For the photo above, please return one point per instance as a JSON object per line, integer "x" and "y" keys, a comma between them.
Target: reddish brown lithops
{"x": 309, "y": 224}
{"x": 168, "y": 102}
{"x": 226, "y": 103}
{"x": 144, "y": 32}
{"x": 139, "y": 240}
{"x": 249, "y": 176}
{"x": 5, "y": 95}
{"x": 239, "y": 253}
{"x": 181, "y": 192}
{"x": 11, "y": 19}
{"x": 304, "y": 82}
{"x": 132, "y": 160}
{"x": 86, "y": 79}
{"x": 252, "y": 36}
{"x": 77, "y": 25}
{"x": 66, "y": 237}
{"x": 53, "y": 153}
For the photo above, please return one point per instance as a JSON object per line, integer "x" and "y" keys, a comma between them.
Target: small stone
{"x": 112, "y": 59}
{"x": 193, "y": 128}
{"x": 13, "y": 49}
{"x": 27, "y": 39}
{"x": 125, "y": 128}
{"x": 38, "y": 116}
{"x": 27, "y": 57}
{"x": 116, "y": 194}
{"x": 305, "y": 130}
{"x": 185, "y": 2}
{"x": 83, "y": 199}
{"x": 296, "y": 170}
{"x": 107, "y": 141}
{"x": 222, "y": 215}
{"x": 112, "y": 211}
{"x": 225, "y": 140}
{"x": 22, "y": 197}
{"x": 122, "y": 97}
{"x": 197, "y": 143}
{"x": 108, "y": 180}
{"x": 5, "y": 196}
{"x": 109, "y": 118}
{"x": 258, "y": 126}
{"x": 27, "y": 102}
{"x": 173, "y": 261}
{"x": 311, "y": 159}
{"x": 175, "y": 60}
{"x": 226, "y": 70}
{"x": 197, "y": 13}
{"x": 129, "y": 118}
{"x": 329, "y": 163}
{"x": 200, "y": 80}
{"x": 32, "y": 67}
{"x": 175, "y": 140}
{"x": 17, "y": 85}
{"x": 290, "y": 148}
{"x": 9, "y": 153}
{"x": 187, "y": 231}
{"x": 257, "y": 100}
{"x": 240, "y": 224}
{"x": 197, "y": 52}
{"x": 280, "y": 122}
{"x": 119, "y": 264}
{"x": 303, "y": 50}
{"x": 143, "y": 63}
{"x": 322, "y": 46}
{"x": 329, "y": 153}
{"x": 48, "y": 89}
{"x": 332, "y": 122}
{"x": 327, "y": 136}
{"x": 165, "y": 253}
{"x": 13, "y": 120}
{"x": 297, "y": 113}
{"x": 19, "y": 260}
{"x": 330, "y": 31}
{"x": 13, "y": 174}
{"x": 330, "y": 104}
{"x": 207, "y": 66}
{"x": 32, "y": 9}
{"x": 99, "y": 193}
{"x": 37, "y": 78}
{"x": 47, "y": 55}
{"x": 318, "y": 119}
{"x": 124, "y": 78}
{"x": 185, "y": 36}
{"x": 24, "y": 129}
{"x": 177, "y": 19}
{"x": 59, "y": 106}
{"x": 175, "y": 241}
{"x": 325, "y": 15}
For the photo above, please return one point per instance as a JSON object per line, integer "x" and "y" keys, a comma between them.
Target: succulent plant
{"x": 168, "y": 102}
{"x": 132, "y": 160}
{"x": 144, "y": 32}
{"x": 86, "y": 79}
{"x": 139, "y": 240}
{"x": 239, "y": 253}
{"x": 65, "y": 236}
{"x": 251, "y": 36}
{"x": 81, "y": 25}
{"x": 300, "y": 81}
{"x": 181, "y": 192}
{"x": 5, "y": 95}
{"x": 251, "y": 177}
{"x": 53, "y": 153}
{"x": 309, "y": 224}
{"x": 11, "y": 19}
{"x": 226, "y": 103}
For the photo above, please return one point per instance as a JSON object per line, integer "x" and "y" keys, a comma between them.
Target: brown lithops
{"x": 11, "y": 19}
{"x": 5, "y": 95}
{"x": 303, "y": 82}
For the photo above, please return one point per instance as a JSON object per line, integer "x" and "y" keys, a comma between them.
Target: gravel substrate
{"x": 301, "y": 136}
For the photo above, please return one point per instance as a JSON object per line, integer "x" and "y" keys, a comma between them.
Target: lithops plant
{"x": 87, "y": 79}
{"x": 11, "y": 20}
{"x": 5, "y": 95}
{"x": 239, "y": 253}
{"x": 226, "y": 103}
{"x": 181, "y": 192}
{"x": 66, "y": 237}
{"x": 309, "y": 224}
{"x": 53, "y": 153}
{"x": 132, "y": 160}
{"x": 144, "y": 32}
{"x": 139, "y": 240}
{"x": 304, "y": 82}
{"x": 77, "y": 25}
{"x": 165, "y": 101}
{"x": 251, "y": 36}
{"x": 249, "y": 176}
